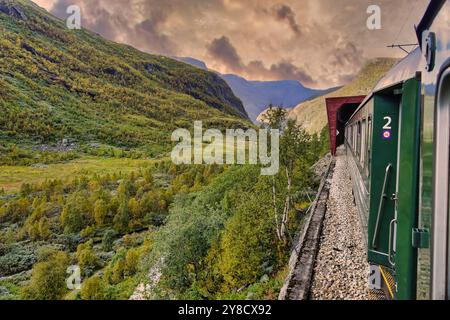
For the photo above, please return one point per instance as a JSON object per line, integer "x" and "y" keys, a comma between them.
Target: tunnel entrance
{"x": 339, "y": 111}
{"x": 343, "y": 115}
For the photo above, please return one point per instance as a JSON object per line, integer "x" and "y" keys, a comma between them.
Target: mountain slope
{"x": 58, "y": 83}
{"x": 257, "y": 95}
{"x": 312, "y": 114}
{"x": 193, "y": 62}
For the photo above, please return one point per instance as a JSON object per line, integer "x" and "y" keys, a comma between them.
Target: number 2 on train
{"x": 387, "y": 126}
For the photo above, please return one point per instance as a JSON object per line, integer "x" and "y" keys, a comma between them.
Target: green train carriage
{"x": 398, "y": 146}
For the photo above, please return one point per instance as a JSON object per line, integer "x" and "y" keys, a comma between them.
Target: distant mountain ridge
{"x": 257, "y": 95}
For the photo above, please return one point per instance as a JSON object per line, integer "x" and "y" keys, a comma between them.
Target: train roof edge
{"x": 403, "y": 70}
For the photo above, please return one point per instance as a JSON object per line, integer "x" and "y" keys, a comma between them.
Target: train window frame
{"x": 441, "y": 210}
{"x": 358, "y": 139}
{"x": 369, "y": 144}
{"x": 353, "y": 138}
{"x": 363, "y": 142}
{"x": 350, "y": 137}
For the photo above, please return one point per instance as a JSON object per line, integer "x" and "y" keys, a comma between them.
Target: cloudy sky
{"x": 321, "y": 43}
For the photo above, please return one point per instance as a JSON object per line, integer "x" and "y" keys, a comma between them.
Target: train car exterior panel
{"x": 358, "y": 135}
{"x": 433, "y": 268}
{"x": 408, "y": 190}
{"x": 360, "y": 192}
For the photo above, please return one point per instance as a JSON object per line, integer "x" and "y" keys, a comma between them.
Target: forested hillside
{"x": 57, "y": 83}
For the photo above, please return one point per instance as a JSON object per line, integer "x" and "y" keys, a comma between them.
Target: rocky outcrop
{"x": 12, "y": 11}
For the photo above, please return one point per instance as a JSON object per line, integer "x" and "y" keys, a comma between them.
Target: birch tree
{"x": 294, "y": 142}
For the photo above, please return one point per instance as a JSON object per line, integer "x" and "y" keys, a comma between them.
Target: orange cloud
{"x": 319, "y": 42}
{"x": 46, "y": 4}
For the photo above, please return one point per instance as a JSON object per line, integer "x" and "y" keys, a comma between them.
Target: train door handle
{"x": 391, "y": 244}
{"x": 383, "y": 197}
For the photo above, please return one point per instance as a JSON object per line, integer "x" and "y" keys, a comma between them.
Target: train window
{"x": 346, "y": 134}
{"x": 369, "y": 145}
{"x": 350, "y": 137}
{"x": 358, "y": 141}
{"x": 354, "y": 138}
{"x": 441, "y": 239}
{"x": 363, "y": 142}
{"x": 352, "y": 133}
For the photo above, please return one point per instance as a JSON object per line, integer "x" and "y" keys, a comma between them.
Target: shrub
{"x": 122, "y": 218}
{"x": 92, "y": 289}
{"x": 87, "y": 232}
{"x": 108, "y": 240}
{"x": 16, "y": 258}
{"x": 248, "y": 243}
{"x": 100, "y": 211}
{"x": 72, "y": 218}
{"x": 69, "y": 241}
{"x": 118, "y": 271}
{"x": 48, "y": 278}
{"x": 131, "y": 261}
{"x": 87, "y": 259}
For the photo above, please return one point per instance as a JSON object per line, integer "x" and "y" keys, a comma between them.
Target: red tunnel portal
{"x": 339, "y": 111}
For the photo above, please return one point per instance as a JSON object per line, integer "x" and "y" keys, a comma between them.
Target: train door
{"x": 407, "y": 236}
{"x": 394, "y": 195}
{"x": 382, "y": 218}
{"x": 441, "y": 239}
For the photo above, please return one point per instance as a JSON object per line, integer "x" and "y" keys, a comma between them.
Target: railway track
{"x": 302, "y": 261}
{"x": 329, "y": 260}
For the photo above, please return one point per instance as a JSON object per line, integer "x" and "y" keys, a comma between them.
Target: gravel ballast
{"x": 341, "y": 268}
